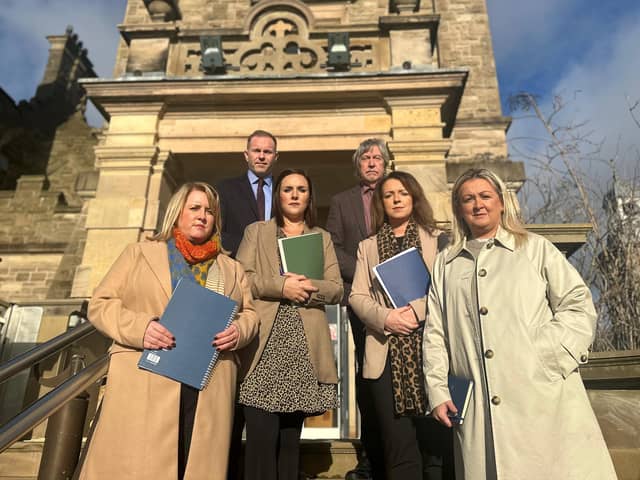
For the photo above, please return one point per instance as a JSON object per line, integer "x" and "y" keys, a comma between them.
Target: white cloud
{"x": 596, "y": 90}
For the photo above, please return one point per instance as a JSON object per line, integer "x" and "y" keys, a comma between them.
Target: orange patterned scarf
{"x": 196, "y": 253}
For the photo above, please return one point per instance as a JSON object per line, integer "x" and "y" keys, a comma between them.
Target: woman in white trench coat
{"x": 508, "y": 311}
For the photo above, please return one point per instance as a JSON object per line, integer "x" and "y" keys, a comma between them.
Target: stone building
{"x": 419, "y": 74}
{"x": 193, "y": 78}
{"x": 46, "y": 173}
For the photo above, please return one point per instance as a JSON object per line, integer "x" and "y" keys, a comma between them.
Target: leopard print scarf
{"x": 405, "y": 351}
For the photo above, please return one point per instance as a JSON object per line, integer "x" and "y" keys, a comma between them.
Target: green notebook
{"x": 303, "y": 255}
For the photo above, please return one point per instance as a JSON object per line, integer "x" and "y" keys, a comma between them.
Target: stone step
{"x": 21, "y": 461}
{"x": 319, "y": 459}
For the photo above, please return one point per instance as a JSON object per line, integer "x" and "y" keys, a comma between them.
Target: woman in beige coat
{"x": 152, "y": 427}
{"x": 508, "y": 311}
{"x": 292, "y": 371}
{"x": 415, "y": 447}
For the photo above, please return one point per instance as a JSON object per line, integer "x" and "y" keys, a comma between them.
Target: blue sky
{"x": 585, "y": 50}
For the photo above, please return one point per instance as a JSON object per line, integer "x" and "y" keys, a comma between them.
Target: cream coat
{"x": 367, "y": 300}
{"x": 258, "y": 253}
{"x": 529, "y": 405}
{"x": 136, "y": 436}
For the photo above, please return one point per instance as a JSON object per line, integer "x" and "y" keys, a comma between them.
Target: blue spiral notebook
{"x": 194, "y": 315}
{"x": 404, "y": 277}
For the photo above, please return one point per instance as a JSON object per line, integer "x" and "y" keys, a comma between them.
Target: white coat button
{"x": 482, "y": 272}
{"x": 488, "y": 354}
{"x": 484, "y": 310}
{"x": 584, "y": 358}
{"x": 495, "y": 400}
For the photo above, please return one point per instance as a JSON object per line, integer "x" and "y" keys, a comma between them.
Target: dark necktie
{"x": 260, "y": 198}
{"x": 366, "y": 199}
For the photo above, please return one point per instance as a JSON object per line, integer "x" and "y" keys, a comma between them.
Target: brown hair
{"x": 263, "y": 133}
{"x": 422, "y": 212}
{"x": 310, "y": 217}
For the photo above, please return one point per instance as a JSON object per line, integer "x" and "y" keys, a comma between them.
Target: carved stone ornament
{"x": 279, "y": 43}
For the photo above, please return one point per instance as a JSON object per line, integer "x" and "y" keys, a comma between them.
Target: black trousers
{"x": 415, "y": 448}
{"x": 272, "y": 451}
{"x": 234, "y": 470}
{"x": 188, "y": 404}
{"x": 370, "y": 434}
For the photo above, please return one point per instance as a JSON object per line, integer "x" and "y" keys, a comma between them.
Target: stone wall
{"x": 41, "y": 242}
{"x": 464, "y": 39}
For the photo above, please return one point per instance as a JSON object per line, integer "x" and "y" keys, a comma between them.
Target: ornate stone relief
{"x": 279, "y": 43}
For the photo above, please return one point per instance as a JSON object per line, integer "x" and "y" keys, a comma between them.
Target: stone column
{"x": 418, "y": 147}
{"x": 131, "y": 188}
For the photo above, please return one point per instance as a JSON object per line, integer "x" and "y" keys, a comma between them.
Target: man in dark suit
{"x": 349, "y": 222}
{"x": 244, "y": 200}
{"x": 247, "y": 198}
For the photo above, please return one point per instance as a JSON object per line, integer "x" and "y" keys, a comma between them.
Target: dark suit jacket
{"x": 238, "y": 208}
{"x": 348, "y": 228}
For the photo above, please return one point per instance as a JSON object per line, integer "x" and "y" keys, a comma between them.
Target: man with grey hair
{"x": 349, "y": 222}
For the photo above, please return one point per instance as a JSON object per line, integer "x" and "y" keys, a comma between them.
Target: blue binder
{"x": 194, "y": 315}
{"x": 460, "y": 390}
{"x": 404, "y": 277}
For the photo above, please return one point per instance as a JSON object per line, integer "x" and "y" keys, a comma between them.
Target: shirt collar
{"x": 253, "y": 178}
{"x": 503, "y": 238}
{"x": 365, "y": 188}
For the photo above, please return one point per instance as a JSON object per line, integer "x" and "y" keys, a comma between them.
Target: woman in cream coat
{"x": 141, "y": 418}
{"x": 415, "y": 447}
{"x": 291, "y": 366}
{"x": 508, "y": 311}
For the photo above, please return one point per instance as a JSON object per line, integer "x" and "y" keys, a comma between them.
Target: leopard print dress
{"x": 284, "y": 379}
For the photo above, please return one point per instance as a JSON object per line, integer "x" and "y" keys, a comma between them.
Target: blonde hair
{"x": 177, "y": 203}
{"x": 510, "y": 219}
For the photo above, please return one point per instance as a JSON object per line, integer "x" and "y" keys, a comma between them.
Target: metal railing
{"x": 49, "y": 404}
{"x": 65, "y": 406}
{"x": 44, "y": 350}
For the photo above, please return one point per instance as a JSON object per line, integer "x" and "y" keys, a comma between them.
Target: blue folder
{"x": 404, "y": 277}
{"x": 194, "y": 315}
{"x": 460, "y": 390}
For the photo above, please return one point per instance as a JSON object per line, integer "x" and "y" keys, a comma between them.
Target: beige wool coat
{"x": 258, "y": 253}
{"x": 136, "y": 436}
{"x": 521, "y": 337}
{"x": 367, "y": 299}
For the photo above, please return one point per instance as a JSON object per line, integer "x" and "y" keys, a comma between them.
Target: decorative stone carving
{"x": 279, "y": 43}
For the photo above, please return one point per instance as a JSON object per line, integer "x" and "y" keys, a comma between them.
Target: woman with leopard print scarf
{"x": 415, "y": 446}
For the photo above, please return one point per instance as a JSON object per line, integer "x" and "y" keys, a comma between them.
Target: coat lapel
{"x": 357, "y": 211}
{"x": 157, "y": 257}
{"x": 429, "y": 245}
{"x": 247, "y": 194}
{"x": 270, "y": 246}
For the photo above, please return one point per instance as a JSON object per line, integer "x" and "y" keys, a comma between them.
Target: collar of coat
{"x": 503, "y": 238}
